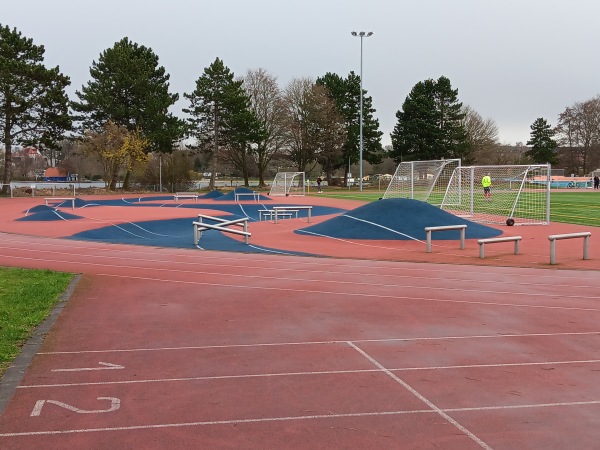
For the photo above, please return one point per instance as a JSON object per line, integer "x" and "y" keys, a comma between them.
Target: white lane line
{"x": 223, "y": 260}
{"x": 291, "y": 418}
{"x": 351, "y": 275}
{"x": 246, "y": 287}
{"x": 296, "y": 374}
{"x": 420, "y": 397}
{"x": 355, "y": 275}
{"x": 102, "y": 366}
{"x": 341, "y": 341}
{"x": 527, "y": 293}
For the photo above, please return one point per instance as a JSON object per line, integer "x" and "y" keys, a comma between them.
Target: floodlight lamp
{"x": 362, "y": 33}
{"x": 353, "y": 33}
{"x": 370, "y": 33}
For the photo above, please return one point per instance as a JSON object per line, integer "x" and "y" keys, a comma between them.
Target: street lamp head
{"x": 361, "y": 33}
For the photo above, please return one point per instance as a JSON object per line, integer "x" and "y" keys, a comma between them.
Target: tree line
{"x": 123, "y": 115}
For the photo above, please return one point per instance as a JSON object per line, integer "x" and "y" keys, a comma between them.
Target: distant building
{"x": 59, "y": 175}
{"x": 20, "y": 154}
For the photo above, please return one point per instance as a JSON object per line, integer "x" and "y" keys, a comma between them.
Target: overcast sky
{"x": 511, "y": 60}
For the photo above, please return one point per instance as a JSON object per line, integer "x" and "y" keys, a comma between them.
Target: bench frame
{"x": 462, "y": 229}
{"x": 264, "y": 213}
{"x": 555, "y": 237}
{"x": 283, "y": 209}
{"x": 255, "y": 195}
{"x": 482, "y": 242}
{"x": 222, "y": 225}
{"x": 179, "y": 195}
{"x": 61, "y": 199}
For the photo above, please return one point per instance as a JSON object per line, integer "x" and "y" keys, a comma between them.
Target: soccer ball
{"x": 510, "y": 221}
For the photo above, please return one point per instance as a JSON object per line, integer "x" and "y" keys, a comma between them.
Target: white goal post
{"x": 422, "y": 180}
{"x": 288, "y": 183}
{"x": 518, "y": 194}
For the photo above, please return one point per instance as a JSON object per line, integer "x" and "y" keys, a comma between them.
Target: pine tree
{"x": 346, "y": 94}
{"x": 33, "y": 101}
{"x": 543, "y": 148}
{"x": 430, "y": 124}
{"x": 129, "y": 88}
{"x": 221, "y": 118}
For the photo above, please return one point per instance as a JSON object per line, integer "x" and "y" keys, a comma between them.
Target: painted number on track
{"x": 115, "y": 404}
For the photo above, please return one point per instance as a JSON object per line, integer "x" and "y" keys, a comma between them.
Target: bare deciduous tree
{"x": 268, "y": 105}
{"x": 313, "y": 124}
{"x": 482, "y": 136}
{"x": 578, "y": 130}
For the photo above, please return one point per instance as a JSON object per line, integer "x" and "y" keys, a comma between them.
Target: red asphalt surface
{"x": 377, "y": 345}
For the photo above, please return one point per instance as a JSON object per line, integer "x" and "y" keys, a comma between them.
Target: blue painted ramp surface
{"x": 397, "y": 218}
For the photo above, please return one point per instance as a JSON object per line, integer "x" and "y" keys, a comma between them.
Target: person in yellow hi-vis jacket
{"x": 486, "y": 182}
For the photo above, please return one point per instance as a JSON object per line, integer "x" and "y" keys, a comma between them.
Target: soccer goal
{"x": 512, "y": 195}
{"x": 288, "y": 183}
{"x": 422, "y": 180}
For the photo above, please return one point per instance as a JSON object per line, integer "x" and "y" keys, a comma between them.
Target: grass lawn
{"x": 581, "y": 208}
{"x": 26, "y": 299}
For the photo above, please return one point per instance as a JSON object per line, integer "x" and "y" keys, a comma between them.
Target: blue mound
{"x": 174, "y": 233}
{"x": 45, "y": 213}
{"x": 213, "y": 194}
{"x": 230, "y": 196}
{"x": 397, "y": 219}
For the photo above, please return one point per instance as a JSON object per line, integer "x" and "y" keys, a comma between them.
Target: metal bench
{"x": 462, "y": 229}
{"x": 280, "y": 210}
{"x": 555, "y": 237}
{"x": 482, "y": 242}
{"x": 263, "y": 214}
{"x": 179, "y": 195}
{"x": 61, "y": 199}
{"x": 221, "y": 225}
{"x": 254, "y": 195}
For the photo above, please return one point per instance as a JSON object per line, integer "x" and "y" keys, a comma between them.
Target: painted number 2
{"x": 115, "y": 404}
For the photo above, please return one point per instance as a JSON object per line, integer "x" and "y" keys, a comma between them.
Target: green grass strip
{"x": 26, "y": 299}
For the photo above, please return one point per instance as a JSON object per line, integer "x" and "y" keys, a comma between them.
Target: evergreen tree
{"x": 346, "y": 94}
{"x": 221, "y": 119}
{"x": 543, "y": 146}
{"x": 130, "y": 89}
{"x": 33, "y": 102}
{"x": 430, "y": 124}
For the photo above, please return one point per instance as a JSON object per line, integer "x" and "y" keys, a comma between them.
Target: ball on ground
{"x": 510, "y": 221}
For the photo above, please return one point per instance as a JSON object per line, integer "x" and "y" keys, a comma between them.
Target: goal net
{"x": 519, "y": 192}
{"x": 422, "y": 180}
{"x": 288, "y": 183}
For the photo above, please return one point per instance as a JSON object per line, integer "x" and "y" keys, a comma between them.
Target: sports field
{"x": 333, "y": 333}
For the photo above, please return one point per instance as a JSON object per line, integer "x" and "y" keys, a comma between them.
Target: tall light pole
{"x": 361, "y": 35}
